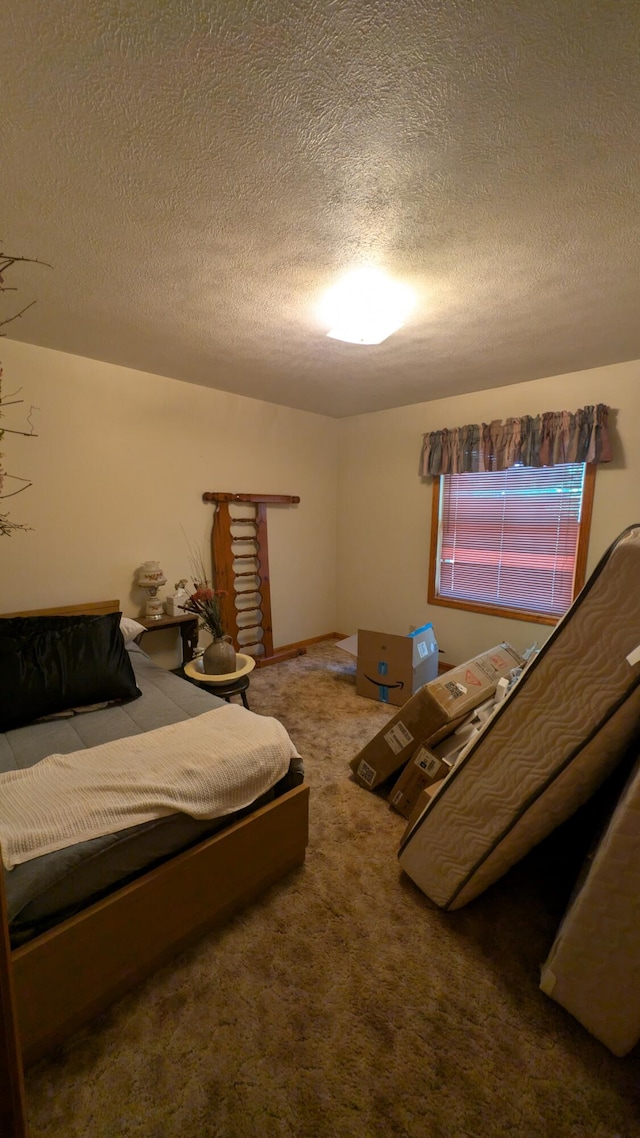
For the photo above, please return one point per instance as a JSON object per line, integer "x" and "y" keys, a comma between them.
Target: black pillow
{"x": 51, "y": 663}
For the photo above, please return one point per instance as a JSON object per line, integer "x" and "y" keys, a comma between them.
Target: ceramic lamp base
{"x": 154, "y": 608}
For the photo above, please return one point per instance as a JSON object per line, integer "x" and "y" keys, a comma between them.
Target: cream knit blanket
{"x": 208, "y": 766}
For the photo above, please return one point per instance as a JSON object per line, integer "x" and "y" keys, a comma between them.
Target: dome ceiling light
{"x": 365, "y": 307}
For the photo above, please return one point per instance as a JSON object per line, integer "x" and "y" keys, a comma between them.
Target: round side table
{"x": 226, "y": 684}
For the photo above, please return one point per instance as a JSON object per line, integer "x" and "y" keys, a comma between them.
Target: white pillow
{"x": 130, "y": 628}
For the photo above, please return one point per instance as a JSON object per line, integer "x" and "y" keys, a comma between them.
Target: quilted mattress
{"x": 554, "y": 740}
{"x": 593, "y": 968}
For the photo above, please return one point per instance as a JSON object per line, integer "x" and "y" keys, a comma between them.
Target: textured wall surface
{"x": 197, "y": 172}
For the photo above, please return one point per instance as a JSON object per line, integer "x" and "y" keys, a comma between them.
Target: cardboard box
{"x": 393, "y": 668}
{"x": 432, "y": 708}
{"x": 423, "y": 769}
{"x": 462, "y": 733}
{"x": 431, "y": 765}
{"x": 424, "y": 798}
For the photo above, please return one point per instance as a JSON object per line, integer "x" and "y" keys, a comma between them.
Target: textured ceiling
{"x": 197, "y": 172}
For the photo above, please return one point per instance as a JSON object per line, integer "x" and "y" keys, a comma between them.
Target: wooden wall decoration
{"x": 240, "y": 560}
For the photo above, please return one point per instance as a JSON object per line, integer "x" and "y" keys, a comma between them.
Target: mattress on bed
{"x": 554, "y": 740}
{"x": 47, "y": 889}
{"x": 593, "y": 968}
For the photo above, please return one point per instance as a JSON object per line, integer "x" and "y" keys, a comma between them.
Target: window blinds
{"x": 510, "y": 538}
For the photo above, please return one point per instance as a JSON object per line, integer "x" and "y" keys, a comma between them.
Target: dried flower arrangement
{"x": 7, "y": 526}
{"x": 204, "y": 601}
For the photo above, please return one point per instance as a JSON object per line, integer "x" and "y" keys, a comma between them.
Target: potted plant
{"x": 219, "y": 656}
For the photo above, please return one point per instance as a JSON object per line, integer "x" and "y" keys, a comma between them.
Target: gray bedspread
{"x": 46, "y": 890}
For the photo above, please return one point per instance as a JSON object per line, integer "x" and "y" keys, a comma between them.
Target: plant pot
{"x": 219, "y": 657}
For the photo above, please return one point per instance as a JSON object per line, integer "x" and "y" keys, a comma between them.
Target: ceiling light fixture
{"x": 365, "y": 307}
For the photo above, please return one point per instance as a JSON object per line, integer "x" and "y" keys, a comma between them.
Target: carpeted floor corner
{"x": 340, "y": 1005}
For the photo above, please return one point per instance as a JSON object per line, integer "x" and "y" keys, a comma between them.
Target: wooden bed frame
{"x": 61, "y": 979}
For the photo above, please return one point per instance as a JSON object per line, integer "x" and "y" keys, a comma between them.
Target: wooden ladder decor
{"x": 240, "y": 560}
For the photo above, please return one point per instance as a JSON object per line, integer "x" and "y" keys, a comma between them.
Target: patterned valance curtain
{"x": 541, "y": 440}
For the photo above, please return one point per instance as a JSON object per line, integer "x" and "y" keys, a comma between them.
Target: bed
{"x": 554, "y": 740}
{"x": 81, "y": 939}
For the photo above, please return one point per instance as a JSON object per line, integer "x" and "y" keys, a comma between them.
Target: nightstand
{"x": 187, "y": 624}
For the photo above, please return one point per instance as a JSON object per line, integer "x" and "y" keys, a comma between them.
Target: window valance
{"x": 541, "y": 440}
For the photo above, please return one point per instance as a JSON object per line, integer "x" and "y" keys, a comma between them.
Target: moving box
{"x": 432, "y": 713}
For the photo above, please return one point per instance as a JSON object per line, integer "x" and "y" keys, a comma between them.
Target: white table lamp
{"x": 150, "y": 577}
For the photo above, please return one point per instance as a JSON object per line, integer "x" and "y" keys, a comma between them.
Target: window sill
{"x": 494, "y": 610}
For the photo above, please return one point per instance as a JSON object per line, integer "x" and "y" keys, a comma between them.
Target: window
{"x": 512, "y": 543}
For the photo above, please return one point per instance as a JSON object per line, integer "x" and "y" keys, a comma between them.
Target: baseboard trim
{"x": 299, "y": 647}
{"x": 278, "y": 656}
{"x": 312, "y": 640}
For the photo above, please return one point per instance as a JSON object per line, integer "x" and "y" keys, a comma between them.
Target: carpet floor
{"x": 340, "y": 1005}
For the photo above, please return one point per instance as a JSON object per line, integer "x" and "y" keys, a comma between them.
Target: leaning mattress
{"x": 554, "y": 740}
{"x": 593, "y": 968}
{"x": 44, "y": 891}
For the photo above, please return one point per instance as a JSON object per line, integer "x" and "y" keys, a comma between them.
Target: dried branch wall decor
{"x": 7, "y": 526}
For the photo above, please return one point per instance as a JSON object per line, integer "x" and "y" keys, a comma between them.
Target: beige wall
{"x": 123, "y": 457}
{"x": 385, "y": 508}
{"x": 118, "y": 470}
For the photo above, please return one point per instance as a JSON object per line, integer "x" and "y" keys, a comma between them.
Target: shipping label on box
{"x": 392, "y": 668}
{"x": 461, "y": 689}
{"x": 398, "y": 737}
{"x": 423, "y": 769}
{"x": 432, "y": 712}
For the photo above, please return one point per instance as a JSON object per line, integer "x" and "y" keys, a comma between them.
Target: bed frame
{"x": 63, "y": 978}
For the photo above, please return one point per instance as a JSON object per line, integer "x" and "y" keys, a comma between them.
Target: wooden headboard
{"x": 91, "y": 608}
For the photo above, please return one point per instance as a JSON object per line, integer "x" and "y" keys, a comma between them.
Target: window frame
{"x": 434, "y": 597}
